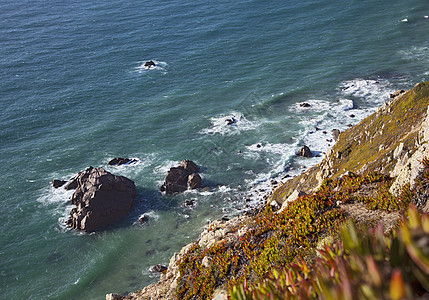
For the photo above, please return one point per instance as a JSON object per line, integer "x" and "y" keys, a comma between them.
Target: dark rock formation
{"x": 100, "y": 198}
{"x": 230, "y": 121}
{"x": 305, "y": 152}
{"x": 397, "y": 93}
{"x": 117, "y": 161}
{"x": 179, "y": 178}
{"x": 149, "y": 64}
{"x": 305, "y": 104}
{"x": 58, "y": 183}
{"x": 143, "y": 219}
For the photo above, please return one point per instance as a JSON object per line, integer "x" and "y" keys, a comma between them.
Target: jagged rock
{"x": 158, "y": 268}
{"x": 305, "y": 104}
{"x": 397, "y": 93}
{"x": 149, "y": 65}
{"x": 305, "y": 152}
{"x": 178, "y": 178}
{"x": 100, "y": 198}
{"x": 58, "y": 183}
{"x": 71, "y": 184}
{"x": 117, "y": 161}
{"x": 230, "y": 121}
{"x": 194, "y": 181}
{"x": 335, "y": 134}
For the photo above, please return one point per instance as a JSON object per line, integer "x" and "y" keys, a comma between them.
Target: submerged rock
{"x": 100, "y": 198}
{"x": 118, "y": 161}
{"x": 182, "y": 177}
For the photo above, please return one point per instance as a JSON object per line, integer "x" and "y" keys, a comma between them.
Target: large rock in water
{"x": 100, "y": 198}
{"x": 179, "y": 178}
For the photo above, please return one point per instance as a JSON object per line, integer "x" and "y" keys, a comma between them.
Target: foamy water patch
{"x": 369, "y": 90}
{"x": 230, "y": 124}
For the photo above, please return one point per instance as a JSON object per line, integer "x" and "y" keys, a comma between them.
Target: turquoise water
{"x": 74, "y": 93}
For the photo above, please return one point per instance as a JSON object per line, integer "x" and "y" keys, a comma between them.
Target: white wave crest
{"x": 372, "y": 91}
{"x": 230, "y": 124}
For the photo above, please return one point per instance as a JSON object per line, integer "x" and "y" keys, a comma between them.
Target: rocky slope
{"x": 393, "y": 141}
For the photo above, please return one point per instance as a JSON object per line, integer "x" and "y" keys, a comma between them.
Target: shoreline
{"x": 223, "y": 230}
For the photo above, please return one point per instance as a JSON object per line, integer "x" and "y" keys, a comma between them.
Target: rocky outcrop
{"x": 305, "y": 152}
{"x": 149, "y": 65}
{"x": 182, "y": 177}
{"x": 100, "y": 198}
{"x": 118, "y": 161}
{"x": 165, "y": 288}
{"x": 58, "y": 183}
{"x": 409, "y": 161}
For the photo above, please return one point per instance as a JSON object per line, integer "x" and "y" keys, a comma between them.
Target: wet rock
{"x": 305, "y": 104}
{"x": 230, "y": 121}
{"x": 178, "y": 179}
{"x": 58, "y": 183}
{"x": 189, "y": 202}
{"x": 118, "y": 161}
{"x": 100, "y": 198}
{"x": 143, "y": 219}
{"x": 305, "y": 152}
{"x": 149, "y": 65}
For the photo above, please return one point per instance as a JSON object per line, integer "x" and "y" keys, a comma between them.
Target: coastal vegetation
{"x": 358, "y": 230}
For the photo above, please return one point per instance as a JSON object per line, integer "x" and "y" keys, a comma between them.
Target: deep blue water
{"x": 74, "y": 93}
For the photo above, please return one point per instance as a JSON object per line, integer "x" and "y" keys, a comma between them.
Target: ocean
{"x": 74, "y": 93}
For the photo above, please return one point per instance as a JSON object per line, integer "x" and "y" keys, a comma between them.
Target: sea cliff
{"x": 370, "y": 176}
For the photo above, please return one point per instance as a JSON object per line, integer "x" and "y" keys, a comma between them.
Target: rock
{"x": 113, "y": 297}
{"x": 295, "y": 195}
{"x": 189, "y": 202}
{"x": 352, "y": 116}
{"x": 335, "y": 134}
{"x": 305, "y": 152}
{"x": 58, "y": 183}
{"x": 143, "y": 219}
{"x": 230, "y": 121}
{"x": 71, "y": 184}
{"x": 100, "y": 198}
{"x": 117, "y": 161}
{"x": 190, "y": 166}
{"x": 274, "y": 205}
{"x": 194, "y": 181}
{"x": 158, "y": 268}
{"x": 305, "y": 104}
{"x": 149, "y": 65}
{"x": 179, "y": 178}
{"x": 396, "y": 94}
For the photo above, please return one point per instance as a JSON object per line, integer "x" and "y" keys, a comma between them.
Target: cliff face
{"x": 393, "y": 141}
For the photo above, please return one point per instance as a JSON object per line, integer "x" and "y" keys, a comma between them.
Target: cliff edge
{"x": 373, "y": 161}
